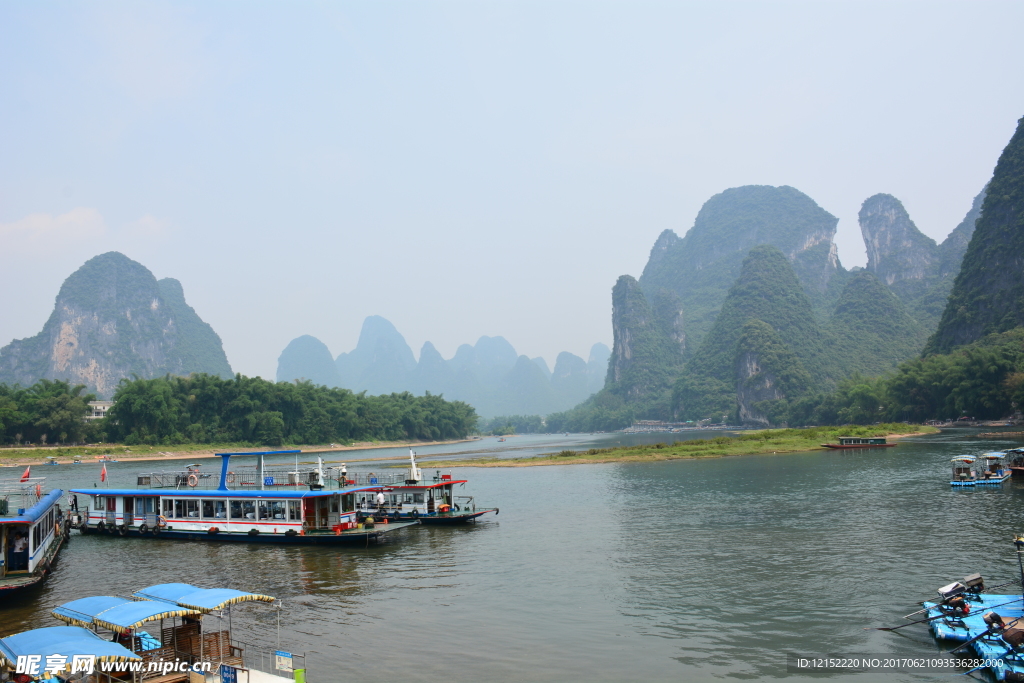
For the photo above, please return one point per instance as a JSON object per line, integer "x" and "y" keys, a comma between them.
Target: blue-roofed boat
{"x": 308, "y": 514}
{"x": 166, "y": 624}
{"x": 79, "y": 647}
{"x": 430, "y": 502}
{"x": 994, "y": 470}
{"x": 32, "y": 533}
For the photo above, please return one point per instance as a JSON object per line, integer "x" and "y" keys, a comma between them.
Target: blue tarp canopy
{"x": 66, "y": 640}
{"x": 118, "y": 614}
{"x": 205, "y": 599}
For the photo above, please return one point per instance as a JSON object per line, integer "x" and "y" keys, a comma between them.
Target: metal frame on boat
{"x": 313, "y": 516}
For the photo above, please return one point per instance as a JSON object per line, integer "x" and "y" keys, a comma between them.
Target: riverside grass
{"x": 751, "y": 443}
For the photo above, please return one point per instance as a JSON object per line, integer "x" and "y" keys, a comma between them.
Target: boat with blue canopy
{"x": 171, "y": 623}
{"x": 994, "y": 470}
{"x": 306, "y": 514}
{"x": 32, "y": 533}
{"x": 75, "y": 648}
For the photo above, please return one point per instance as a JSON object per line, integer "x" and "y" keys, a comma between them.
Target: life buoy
{"x": 143, "y": 528}
{"x": 213, "y": 530}
{"x": 39, "y": 490}
{"x": 162, "y": 521}
{"x": 230, "y": 478}
{"x": 123, "y": 529}
{"x": 193, "y": 480}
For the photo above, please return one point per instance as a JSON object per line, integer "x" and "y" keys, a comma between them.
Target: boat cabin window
{"x": 295, "y": 510}
{"x": 417, "y": 497}
{"x": 243, "y": 509}
{"x": 99, "y": 503}
{"x": 348, "y": 502}
{"x": 215, "y": 509}
{"x": 272, "y": 509}
{"x": 145, "y": 506}
{"x": 186, "y": 507}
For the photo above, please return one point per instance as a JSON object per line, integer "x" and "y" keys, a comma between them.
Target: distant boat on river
{"x": 860, "y": 442}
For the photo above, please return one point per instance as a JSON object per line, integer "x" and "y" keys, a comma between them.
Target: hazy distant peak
{"x": 543, "y": 365}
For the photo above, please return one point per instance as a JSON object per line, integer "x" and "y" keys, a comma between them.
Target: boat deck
{"x": 991, "y": 648}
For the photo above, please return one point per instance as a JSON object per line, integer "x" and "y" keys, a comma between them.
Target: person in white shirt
{"x": 380, "y": 500}
{"x": 20, "y": 560}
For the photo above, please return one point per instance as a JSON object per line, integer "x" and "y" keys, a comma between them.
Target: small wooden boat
{"x": 32, "y": 533}
{"x": 963, "y": 471}
{"x": 860, "y": 442}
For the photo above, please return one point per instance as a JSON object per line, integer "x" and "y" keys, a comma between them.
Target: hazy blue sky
{"x": 464, "y": 168}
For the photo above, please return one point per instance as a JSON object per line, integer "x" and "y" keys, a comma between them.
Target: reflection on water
{"x": 700, "y": 569}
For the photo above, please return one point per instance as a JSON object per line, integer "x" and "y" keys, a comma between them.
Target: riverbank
{"x": 24, "y": 457}
{"x": 751, "y": 443}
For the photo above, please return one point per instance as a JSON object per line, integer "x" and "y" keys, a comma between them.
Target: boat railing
{"x": 266, "y": 660}
{"x": 249, "y": 478}
{"x": 16, "y": 494}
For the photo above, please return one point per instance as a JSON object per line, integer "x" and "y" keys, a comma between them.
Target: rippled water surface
{"x": 695, "y": 569}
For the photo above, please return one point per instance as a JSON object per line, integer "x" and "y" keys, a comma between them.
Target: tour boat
{"x": 1015, "y": 461}
{"x": 430, "y": 502}
{"x": 994, "y": 471}
{"x": 963, "y": 471}
{"x": 313, "y": 517}
{"x": 860, "y": 442}
{"x": 32, "y": 520}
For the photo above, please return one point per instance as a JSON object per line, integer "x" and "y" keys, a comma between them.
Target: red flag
{"x": 103, "y": 474}
{"x": 28, "y": 473}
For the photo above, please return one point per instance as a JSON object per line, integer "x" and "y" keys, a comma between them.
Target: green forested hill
{"x": 988, "y": 295}
{"x": 701, "y": 267}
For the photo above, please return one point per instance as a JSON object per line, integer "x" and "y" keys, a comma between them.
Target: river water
{"x": 697, "y": 569}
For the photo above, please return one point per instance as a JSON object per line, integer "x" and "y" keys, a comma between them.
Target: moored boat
{"x": 431, "y": 502}
{"x": 994, "y": 471}
{"x": 860, "y": 442}
{"x": 963, "y": 471}
{"x": 312, "y": 517}
{"x": 32, "y": 533}
{"x": 1015, "y": 461}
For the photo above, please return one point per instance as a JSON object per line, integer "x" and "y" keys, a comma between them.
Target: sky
{"x": 464, "y": 168}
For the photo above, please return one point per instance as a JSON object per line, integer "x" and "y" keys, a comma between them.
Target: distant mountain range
{"x": 752, "y": 309}
{"x": 112, "y": 319}
{"x": 489, "y": 375}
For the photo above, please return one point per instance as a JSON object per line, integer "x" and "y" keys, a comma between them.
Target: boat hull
{"x": 864, "y": 445}
{"x": 350, "y": 537}
{"x": 455, "y": 518}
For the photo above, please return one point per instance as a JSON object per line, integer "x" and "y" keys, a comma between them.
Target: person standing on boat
{"x": 380, "y": 500}
{"x": 20, "y": 560}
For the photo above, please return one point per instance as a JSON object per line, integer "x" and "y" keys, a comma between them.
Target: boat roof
{"x": 118, "y": 614}
{"x": 995, "y": 454}
{"x": 203, "y": 599}
{"x": 963, "y": 458}
{"x": 67, "y": 640}
{"x": 220, "y": 493}
{"x": 36, "y": 511}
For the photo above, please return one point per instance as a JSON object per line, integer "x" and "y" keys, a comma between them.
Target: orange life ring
{"x": 193, "y": 480}
{"x": 39, "y": 490}
{"x": 162, "y": 521}
{"x": 231, "y": 478}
